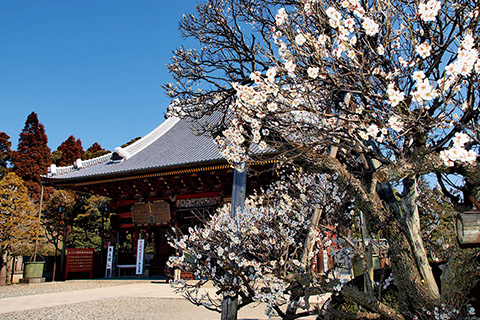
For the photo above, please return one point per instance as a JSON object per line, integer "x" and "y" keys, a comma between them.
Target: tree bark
{"x": 460, "y": 276}
{"x": 412, "y": 222}
{"x": 413, "y": 294}
{"x": 3, "y": 268}
{"x": 8, "y": 267}
{"x": 307, "y": 249}
{"x": 229, "y": 307}
{"x": 370, "y": 302}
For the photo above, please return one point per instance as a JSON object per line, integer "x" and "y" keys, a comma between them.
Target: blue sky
{"x": 92, "y": 69}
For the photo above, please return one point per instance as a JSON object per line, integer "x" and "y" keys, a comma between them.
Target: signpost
{"x": 140, "y": 256}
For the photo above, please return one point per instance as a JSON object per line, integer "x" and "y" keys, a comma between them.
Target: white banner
{"x": 140, "y": 256}
{"x": 109, "y": 258}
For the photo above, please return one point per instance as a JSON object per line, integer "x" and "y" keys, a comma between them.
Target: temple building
{"x": 169, "y": 178}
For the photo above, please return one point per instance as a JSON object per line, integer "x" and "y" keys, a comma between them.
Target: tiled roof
{"x": 171, "y": 144}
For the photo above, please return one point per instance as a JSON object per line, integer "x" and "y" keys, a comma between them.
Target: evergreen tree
{"x": 18, "y": 220}
{"x": 57, "y": 217}
{"x": 5, "y": 153}
{"x": 71, "y": 151}
{"x": 437, "y": 219}
{"x": 56, "y": 157}
{"x": 32, "y": 158}
{"x": 90, "y": 224}
{"x": 95, "y": 151}
{"x": 95, "y": 148}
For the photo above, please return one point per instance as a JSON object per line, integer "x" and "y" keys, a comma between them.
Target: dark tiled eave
{"x": 138, "y": 174}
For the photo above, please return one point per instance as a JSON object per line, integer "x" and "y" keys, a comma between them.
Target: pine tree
{"x": 71, "y": 151}
{"x": 5, "y": 153}
{"x": 18, "y": 220}
{"x": 32, "y": 158}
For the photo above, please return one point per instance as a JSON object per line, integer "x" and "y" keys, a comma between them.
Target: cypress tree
{"x": 32, "y": 158}
{"x": 71, "y": 151}
{"x": 95, "y": 148}
{"x": 5, "y": 153}
{"x": 94, "y": 151}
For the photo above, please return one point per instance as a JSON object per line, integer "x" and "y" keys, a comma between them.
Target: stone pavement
{"x": 140, "y": 289}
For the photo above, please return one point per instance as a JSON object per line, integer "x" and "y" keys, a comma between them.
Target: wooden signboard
{"x": 160, "y": 211}
{"x": 141, "y": 213}
{"x": 79, "y": 260}
{"x": 151, "y": 213}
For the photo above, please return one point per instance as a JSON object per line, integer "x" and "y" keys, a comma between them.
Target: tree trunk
{"x": 412, "y": 273}
{"x": 8, "y": 267}
{"x": 3, "y": 267}
{"x": 413, "y": 293}
{"x": 229, "y": 307}
{"x": 412, "y": 220}
{"x": 309, "y": 244}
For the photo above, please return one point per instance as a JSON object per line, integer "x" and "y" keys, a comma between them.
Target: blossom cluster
{"x": 458, "y": 151}
{"x": 263, "y": 242}
{"x": 428, "y": 11}
{"x": 302, "y": 101}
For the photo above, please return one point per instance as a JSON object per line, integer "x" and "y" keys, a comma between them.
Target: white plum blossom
{"x": 423, "y": 50}
{"x": 380, "y": 50}
{"x": 425, "y": 90}
{"x": 323, "y": 39}
{"x": 458, "y": 152}
{"x": 370, "y": 26}
{"x": 334, "y": 17}
{"x": 428, "y": 11}
{"x": 372, "y": 130}
{"x": 262, "y": 145}
{"x": 363, "y": 134}
{"x": 395, "y": 123}
{"x": 395, "y": 96}
{"x": 466, "y": 59}
{"x": 451, "y": 155}
{"x": 460, "y": 139}
{"x": 418, "y": 75}
{"x": 290, "y": 67}
{"x": 264, "y": 240}
{"x": 396, "y": 78}
{"x": 272, "y": 106}
{"x": 271, "y": 73}
{"x": 300, "y": 39}
{"x": 313, "y": 72}
{"x": 281, "y": 17}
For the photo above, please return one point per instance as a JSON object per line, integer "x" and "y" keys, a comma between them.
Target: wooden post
{"x": 468, "y": 227}
{"x": 230, "y": 304}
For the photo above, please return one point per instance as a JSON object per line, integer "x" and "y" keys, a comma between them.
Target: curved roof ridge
{"x": 54, "y": 170}
{"x": 131, "y": 150}
{"x": 153, "y": 135}
{"x": 96, "y": 160}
